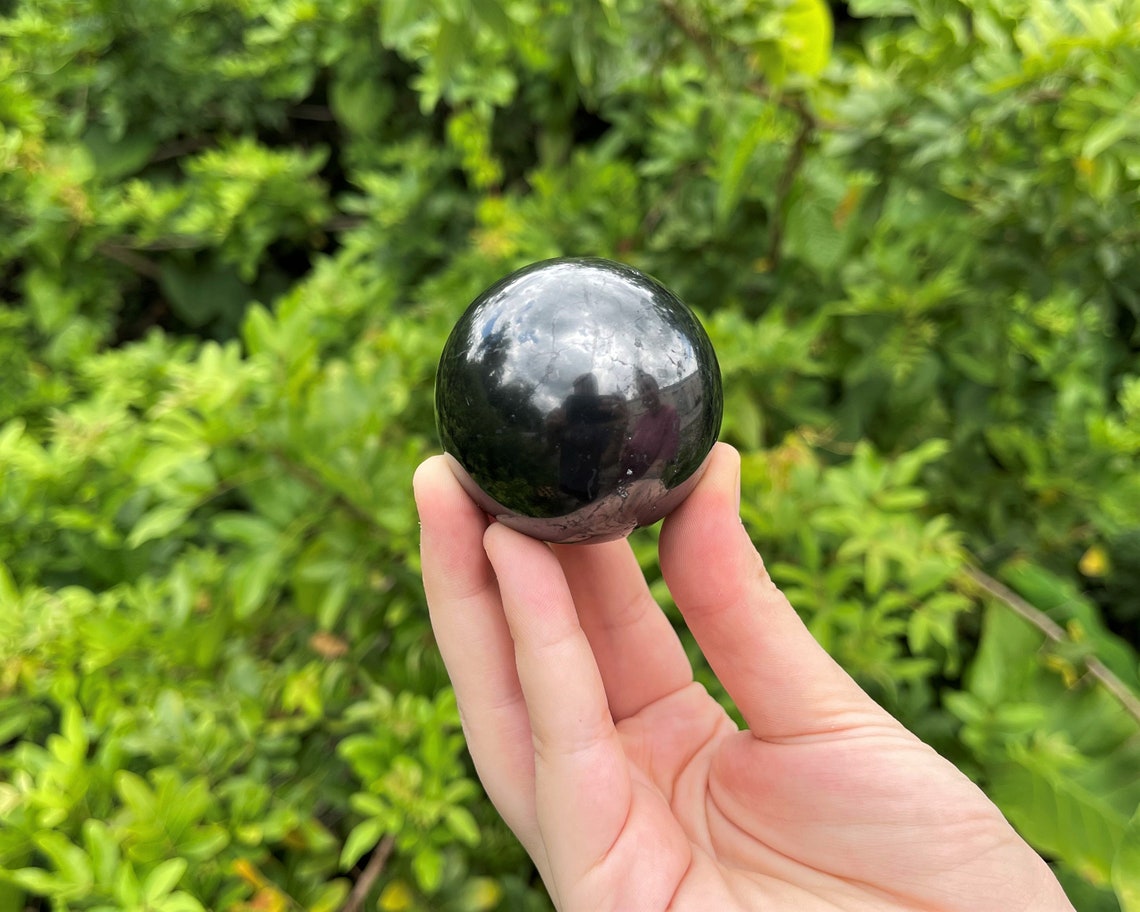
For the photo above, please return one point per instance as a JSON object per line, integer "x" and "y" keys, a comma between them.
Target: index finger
{"x": 638, "y": 653}
{"x": 473, "y": 638}
{"x": 583, "y": 788}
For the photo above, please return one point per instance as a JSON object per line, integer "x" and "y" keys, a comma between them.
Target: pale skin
{"x": 632, "y": 789}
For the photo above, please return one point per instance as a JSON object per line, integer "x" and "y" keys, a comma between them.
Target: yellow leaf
{"x": 270, "y": 899}
{"x": 397, "y": 897}
{"x": 479, "y": 895}
{"x": 1064, "y": 668}
{"x": 247, "y": 871}
{"x": 846, "y": 206}
{"x": 1094, "y": 563}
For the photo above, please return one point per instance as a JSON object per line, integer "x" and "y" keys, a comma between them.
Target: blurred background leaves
{"x": 233, "y": 237}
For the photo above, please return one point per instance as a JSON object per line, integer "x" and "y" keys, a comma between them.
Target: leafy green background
{"x": 233, "y": 237}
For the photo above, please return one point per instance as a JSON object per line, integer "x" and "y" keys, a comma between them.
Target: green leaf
{"x": 103, "y": 849}
{"x": 876, "y": 571}
{"x": 398, "y": 22}
{"x": 69, "y": 859}
{"x": 117, "y": 157}
{"x": 744, "y": 418}
{"x": 200, "y": 294}
{"x": 360, "y": 103}
{"x": 734, "y": 162}
{"x": 249, "y": 529}
{"x": 877, "y": 8}
{"x": 582, "y": 56}
{"x": 494, "y": 15}
{"x": 136, "y": 794}
{"x": 1059, "y": 815}
{"x": 462, "y": 825}
{"x": 259, "y": 330}
{"x": 163, "y": 879}
{"x": 1126, "y": 867}
{"x": 158, "y": 522}
{"x": 1108, "y": 132}
{"x": 810, "y": 232}
{"x": 906, "y": 467}
{"x": 328, "y": 613}
{"x": 38, "y": 881}
{"x": 451, "y": 43}
{"x": 127, "y": 888}
{"x": 16, "y": 716}
{"x": 252, "y": 582}
{"x": 427, "y": 865}
{"x": 362, "y": 839}
{"x": 204, "y": 842}
{"x": 805, "y": 38}
{"x": 331, "y": 896}
{"x": 162, "y": 462}
{"x": 181, "y": 902}
{"x": 9, "y": 593}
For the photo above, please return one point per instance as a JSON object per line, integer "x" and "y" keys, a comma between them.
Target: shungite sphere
{"x": 578, "y": 399}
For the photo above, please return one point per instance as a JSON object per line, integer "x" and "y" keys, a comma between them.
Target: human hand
{"x": 628, "y": 784}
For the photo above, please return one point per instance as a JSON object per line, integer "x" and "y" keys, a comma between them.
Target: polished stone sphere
{"x": 578, "y": 399}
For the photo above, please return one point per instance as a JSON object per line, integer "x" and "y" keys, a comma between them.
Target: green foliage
{"x": 233, "y": 237}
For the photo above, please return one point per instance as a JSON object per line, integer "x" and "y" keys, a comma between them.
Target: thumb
{"x": 782, "y": 680}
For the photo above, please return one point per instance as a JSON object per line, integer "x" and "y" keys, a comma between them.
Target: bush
{"x": 232, "y": 241}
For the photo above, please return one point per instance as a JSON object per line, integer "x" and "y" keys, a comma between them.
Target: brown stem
{"x": 369, "y": 875}
{"x": 704, "y": 43}
{"x": 808, "y": 124}
{"x": 132, "y": 259}
{"x": 784, "y": 186}
{"x": 177, "y": 149}
{"x": 695, "y": 35}
{"x": 312, "y": 112}
{"x": 310, "y": 478}
{"x": 1056, "y": 633}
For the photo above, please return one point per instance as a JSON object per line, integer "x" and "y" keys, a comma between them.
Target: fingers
{"x": 582, "y": 782}
{"x": 636, "y": 649}
{"x": 473, "y": 637}
{"x": 783, "y": 681}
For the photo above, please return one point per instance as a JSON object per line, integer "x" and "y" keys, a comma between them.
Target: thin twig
{"x": 312, "y": 112}
{"x": 1055, "y": 632}
{"x": 784, "y": 186}
{"x": 694, "y": 34}
{"x": 808, "y": 124}
{"x": 177, "y": 149}
{"x": 132, "y": 259}
{"x": 342, "y": 222}
{"x": 704, "y": 42}
{"x": 369, "y": 875}
{"x": 314, "y": 481}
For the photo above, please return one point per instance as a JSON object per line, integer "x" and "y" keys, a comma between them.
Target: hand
{"x": 628, "y": 784}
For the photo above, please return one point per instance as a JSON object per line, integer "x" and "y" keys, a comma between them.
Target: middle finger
{"x": 638, "y": 653}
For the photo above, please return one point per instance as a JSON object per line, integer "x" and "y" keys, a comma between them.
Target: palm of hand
{"x": 843, "y": 820}
{"x": 631, "y": 788}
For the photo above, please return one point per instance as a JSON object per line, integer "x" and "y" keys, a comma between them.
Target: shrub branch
{"x": 307, "y": 476}
{"x": 787, "y": 180}
{"x": 809, "y": 123}
{"x": 369, "y": 875}
{"x": 1055, "y": 633}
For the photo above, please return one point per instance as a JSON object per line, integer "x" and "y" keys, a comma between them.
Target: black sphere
{"x": 578, "y": 399}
